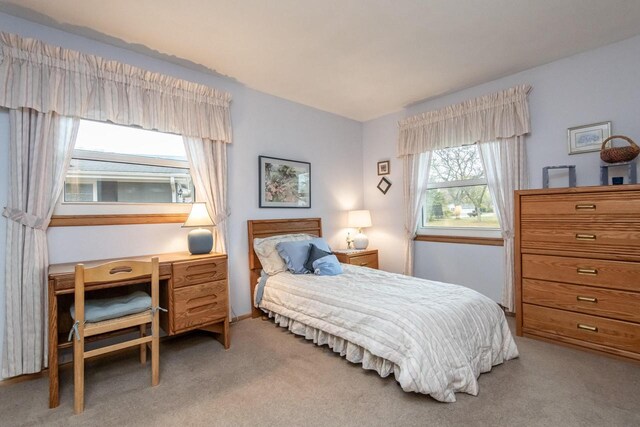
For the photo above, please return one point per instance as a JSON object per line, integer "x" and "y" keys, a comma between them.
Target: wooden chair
{"x": 111, "y": 272}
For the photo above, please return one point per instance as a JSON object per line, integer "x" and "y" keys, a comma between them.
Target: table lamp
{"x": 359, "y": 219}
{"x": 200, "y": 239}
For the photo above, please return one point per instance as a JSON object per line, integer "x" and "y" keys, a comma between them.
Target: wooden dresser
{"x": 577, "y": 255}
{"x": 364, "y": 258}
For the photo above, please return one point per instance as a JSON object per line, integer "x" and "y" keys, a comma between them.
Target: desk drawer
{"x": 589, "y": 329}
{"x": 370, "y": 260}
{"x": 610, "y": 303}
{"x": 189, "y": 273}
{"x": 582, "y": 271}
{"x": 583, "y": 205}
{"x": 199, "y": 304}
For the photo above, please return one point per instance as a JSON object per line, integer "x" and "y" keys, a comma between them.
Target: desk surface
{"x": 69, "y": 267}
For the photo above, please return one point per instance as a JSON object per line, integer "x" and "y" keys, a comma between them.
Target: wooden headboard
{"x": 259, "y": 228}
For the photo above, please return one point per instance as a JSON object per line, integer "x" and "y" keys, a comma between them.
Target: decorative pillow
{"x": 295, "y": 254}
{"x": 314, "y": 254}
{"x": 265, "y": 248}
{"x": 327, "y": 266}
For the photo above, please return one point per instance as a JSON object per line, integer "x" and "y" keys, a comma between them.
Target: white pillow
{"x": 272, "y": 262}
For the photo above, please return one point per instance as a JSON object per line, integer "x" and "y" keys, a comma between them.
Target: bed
{"x": 435, "y": 338}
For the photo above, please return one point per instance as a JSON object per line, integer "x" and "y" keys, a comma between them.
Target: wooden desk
{"x": 193, "y": 289}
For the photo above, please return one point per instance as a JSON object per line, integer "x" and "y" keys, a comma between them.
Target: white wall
{"x": 262, "y": 125}
{"x": 595, "y": 86}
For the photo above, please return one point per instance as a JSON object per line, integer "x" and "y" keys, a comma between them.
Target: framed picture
{"x": 284, "y": 183}
{"x": 384, "y": 168}
{"x": 384, "y": 185}
{"x": 584, "y": 139}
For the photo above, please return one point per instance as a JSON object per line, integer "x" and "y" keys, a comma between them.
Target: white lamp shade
{"x": 199, "y": 216}
{"x": 359, "y": 219}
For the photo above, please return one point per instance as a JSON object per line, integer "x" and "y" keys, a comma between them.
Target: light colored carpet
{"x": 271, "y": 377}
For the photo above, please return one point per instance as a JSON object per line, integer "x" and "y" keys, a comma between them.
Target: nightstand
{"x": 363, "y": 258}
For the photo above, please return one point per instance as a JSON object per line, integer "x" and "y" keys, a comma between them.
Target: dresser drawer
{"x": 193, "y": 272}
{"x": 582, "y": 271}
{"x": 370, "y": 260}
{"x": 621, "y": 238}
{"x": 199, "y": 304}
{"x": 614, "y": 334}
{"x": 624, "y": 203}
{"x": 611, "y": 303}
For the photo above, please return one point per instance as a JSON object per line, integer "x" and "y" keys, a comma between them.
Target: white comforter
{"x": 439, "y": 336}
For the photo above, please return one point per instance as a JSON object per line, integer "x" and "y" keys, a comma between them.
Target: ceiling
{"x": 357, "y": 58}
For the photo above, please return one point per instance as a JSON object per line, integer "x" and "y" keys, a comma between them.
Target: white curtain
{"x": 47, "y": 78}
{"x": 416, "y": 174}
{"x": 208, "y": 162}
{"x": 499, "y": 115}
{"x": 505, "y": 168}
{"x": 40, "y": 152}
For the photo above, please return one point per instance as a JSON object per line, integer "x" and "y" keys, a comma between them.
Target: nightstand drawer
{"x": 370, "y": 261}
{"x": 193, "y": 272}
{"x": 199, "y": 304}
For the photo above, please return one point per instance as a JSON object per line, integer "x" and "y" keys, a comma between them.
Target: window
{"x": 458, "y": 201}
{"x": 119, "y": 165}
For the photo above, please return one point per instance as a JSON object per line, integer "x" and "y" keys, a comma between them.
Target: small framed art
{"x": 384, "y": 167}
{"x": 384, "y": 185}
{"x": 588, "y": 138}
{"x": 284, "y": 183}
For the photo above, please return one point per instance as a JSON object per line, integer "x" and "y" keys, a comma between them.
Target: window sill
{"x": 116, "y": 219}
{"x": 468, "y": 240}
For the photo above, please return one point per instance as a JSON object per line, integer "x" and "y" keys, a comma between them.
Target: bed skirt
{"x": 350, "y": 351}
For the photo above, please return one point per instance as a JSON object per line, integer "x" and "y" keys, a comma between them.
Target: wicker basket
{"x": 619, "y": 154}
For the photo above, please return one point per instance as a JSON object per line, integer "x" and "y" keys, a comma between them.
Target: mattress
{"x": 436, "y": 338}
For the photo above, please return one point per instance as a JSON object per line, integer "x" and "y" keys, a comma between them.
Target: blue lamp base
{"x": 200, "y": 241}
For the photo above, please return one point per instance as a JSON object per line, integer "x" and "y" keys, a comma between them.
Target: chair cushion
{"x": 98, "y": 310}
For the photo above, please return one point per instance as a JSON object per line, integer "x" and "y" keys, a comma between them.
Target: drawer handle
{"x": 585, "y": 237}
{"x": 201, "y": 308}
{"x": 587, "y": 271}
{"x": 587, "y": 327}
{"x": 586, "y": 207}
{"x": 362, "y": 264}
{"x": 586, "y": 299}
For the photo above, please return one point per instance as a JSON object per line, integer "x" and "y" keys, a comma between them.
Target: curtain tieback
{"x": 220, "y": 218}
{"x": 507, "y": 235}
{"x": 26, "y": 219}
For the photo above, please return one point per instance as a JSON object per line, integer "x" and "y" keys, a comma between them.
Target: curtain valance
{"x": 48, "y": 78}
{"x": 496, "y": 116}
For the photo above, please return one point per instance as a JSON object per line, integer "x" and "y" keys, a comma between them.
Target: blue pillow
{"x": 327, "y": 266}
{"x": 295, "y": 253}
{"x": 314, "y": 254}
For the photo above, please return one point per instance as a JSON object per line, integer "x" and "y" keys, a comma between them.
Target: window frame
{"x": 120, "y": 213}
{"x": 470, "y": 235}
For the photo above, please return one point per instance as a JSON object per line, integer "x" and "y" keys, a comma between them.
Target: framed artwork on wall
{"x": 384, "y": 167}
{"x": 384, "y": 185}
{"x": 588, "y": 138}
{"x": 284, "y": 183}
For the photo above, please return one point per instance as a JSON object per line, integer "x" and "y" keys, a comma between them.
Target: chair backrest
{"x": 115, "y": 271}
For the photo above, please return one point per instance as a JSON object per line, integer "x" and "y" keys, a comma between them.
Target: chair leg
{"x": 78, "y": 375}
{"x": 143, "y": 347}
{"x": 155, "y": 354}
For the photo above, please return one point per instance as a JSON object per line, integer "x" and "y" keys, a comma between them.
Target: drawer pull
{"x": 585, "y": 237}
{"x": 586, "y": 299}
{"x": 362, "y": 264}
{"x": 586, "y": 207}
{"x": 587, "y": 271}
{"x": 587, "y": 327}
